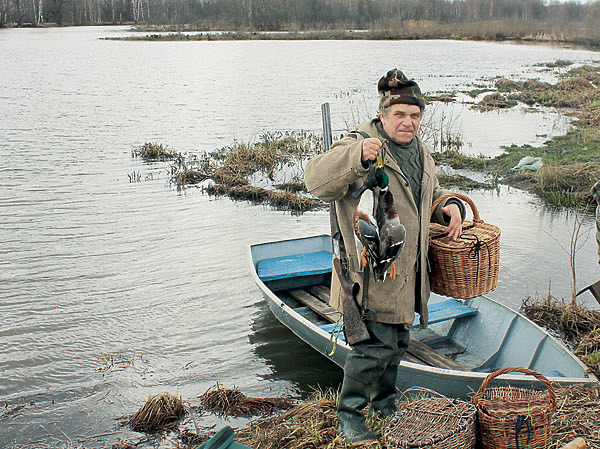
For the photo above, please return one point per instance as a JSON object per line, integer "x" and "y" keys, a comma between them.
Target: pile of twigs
{"x": 577, "y": 415}
{"x": 160, "y": 412}
{"x": 232, "y": 402}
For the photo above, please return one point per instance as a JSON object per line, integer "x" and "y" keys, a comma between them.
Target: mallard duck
{"x": 366, "y": 229}
{"x": 379, "y": 238}
{"x": 392, "y": 235}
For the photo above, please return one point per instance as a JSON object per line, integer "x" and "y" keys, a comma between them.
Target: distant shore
{"x": 495, "y": 30}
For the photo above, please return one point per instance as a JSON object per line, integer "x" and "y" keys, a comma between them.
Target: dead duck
{"x": 392, "y": 235}
{"x": 379, "y": 238}
{"x": 365, "y": 228}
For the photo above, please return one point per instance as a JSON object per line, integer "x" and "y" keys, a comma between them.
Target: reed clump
{"x": 150, "y": 151}
{"x": 566, "y": 184}
{"x": 275, "y": 160}
{"x": 160, "y": 412}
{"x": 232, "y": 402}
{"x": 577, "y": 325}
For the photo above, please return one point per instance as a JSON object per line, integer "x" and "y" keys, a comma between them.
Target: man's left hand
{"x": 454, "y": 229}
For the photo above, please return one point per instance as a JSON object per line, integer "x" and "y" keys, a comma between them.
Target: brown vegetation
{"x": 462, "y": 182}
{"x": 275, "y": 156}
{"x": 232, "y": 402}
{"x": 571, "y": 163}
{"x": 160, "y": 412}
{"x": 577, "y": 325}
{"x": 153, "y": 152}
{"x": 313, "y": 423}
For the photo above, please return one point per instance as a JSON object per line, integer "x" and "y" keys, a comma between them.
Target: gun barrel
{"x": 326, "y": 116}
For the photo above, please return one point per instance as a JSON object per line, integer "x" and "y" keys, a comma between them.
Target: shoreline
{"x": 499, "y": 31}
{"x": 541, "y": 38}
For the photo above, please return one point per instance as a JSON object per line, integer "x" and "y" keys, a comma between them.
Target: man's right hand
{"x": 370, "y": 149}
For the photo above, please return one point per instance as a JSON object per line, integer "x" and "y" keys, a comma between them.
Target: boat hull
{"x": 523, "y": 343}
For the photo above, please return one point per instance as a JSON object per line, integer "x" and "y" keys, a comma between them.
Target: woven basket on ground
{"x": 437, "y": 422}
{"x": 468, "y": 267}
{"x": 515, "y": 418}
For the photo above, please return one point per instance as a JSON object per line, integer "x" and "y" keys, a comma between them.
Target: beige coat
{"x": 333, "y": 176}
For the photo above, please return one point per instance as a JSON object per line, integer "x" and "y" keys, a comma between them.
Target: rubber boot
{"x": 383, "y": 393}
{"x": 353, "y": 398}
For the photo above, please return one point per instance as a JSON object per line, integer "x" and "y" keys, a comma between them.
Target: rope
{"x": 474, "y": 251}
{"x": 519, "y": 425}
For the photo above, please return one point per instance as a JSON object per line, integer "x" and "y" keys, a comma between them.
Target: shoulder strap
{"x": 362, "y": 133}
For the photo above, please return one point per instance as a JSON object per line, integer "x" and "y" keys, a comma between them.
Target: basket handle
{"x": 517, "y": 369}
{"x": 465, "y": 198}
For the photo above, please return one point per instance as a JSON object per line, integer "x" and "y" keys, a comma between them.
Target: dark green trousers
{"x": 369, "y": 359}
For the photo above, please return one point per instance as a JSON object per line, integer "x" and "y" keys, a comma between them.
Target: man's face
{"x": 401, "y": 122}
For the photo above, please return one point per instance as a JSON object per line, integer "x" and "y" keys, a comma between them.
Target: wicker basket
{"x": 437, "y": 422}
{"x": 468, "y": 267}
{"x": 515, "y": 418}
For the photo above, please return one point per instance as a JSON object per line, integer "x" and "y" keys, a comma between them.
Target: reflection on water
{"x": 281, "y": 350}
{"x": 93, "y": 266}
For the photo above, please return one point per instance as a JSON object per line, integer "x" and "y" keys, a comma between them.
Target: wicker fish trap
{"x": 433, "y": 422}
{"x": 467, "y": 267}
{"x": 515, "y": 418}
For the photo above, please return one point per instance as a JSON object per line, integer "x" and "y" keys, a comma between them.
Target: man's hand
{"x": 454, "y": 229}
{"x": 370, "y": 149}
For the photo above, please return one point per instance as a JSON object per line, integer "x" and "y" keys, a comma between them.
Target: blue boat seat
{"x": 448, "y": 309}
{"x": 294, "y": 265}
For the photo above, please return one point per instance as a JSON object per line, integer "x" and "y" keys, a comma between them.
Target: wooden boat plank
{"x": 420, "y": 352}
{"x": 321, "y": 292}
{"x": 431, "y": 356}
{"x": 316, "y": 305}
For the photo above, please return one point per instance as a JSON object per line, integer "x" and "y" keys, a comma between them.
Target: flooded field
{"x": 114, "y": 285}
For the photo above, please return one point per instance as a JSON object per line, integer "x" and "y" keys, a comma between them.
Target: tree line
{"x": 263, "y": 15}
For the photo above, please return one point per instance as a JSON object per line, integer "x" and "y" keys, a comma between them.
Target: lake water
{"x": 111, "y": 291}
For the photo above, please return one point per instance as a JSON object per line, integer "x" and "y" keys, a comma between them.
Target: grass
{"x": 276, "y": 159}
{"x": 572, "y": 161}
{"x": 153, "y": 152}
{"x": 462, "y": 182}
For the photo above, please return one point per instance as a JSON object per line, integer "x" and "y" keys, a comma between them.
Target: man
{"x": 371, "y": 368}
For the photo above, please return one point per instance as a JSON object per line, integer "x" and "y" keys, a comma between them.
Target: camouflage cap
{"x": 396, "y": 88}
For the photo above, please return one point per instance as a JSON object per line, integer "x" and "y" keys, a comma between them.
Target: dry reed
{"x": 578, "y": 415}
{"x": 160, "y": 412}
{"x": 232, "y": 402}
{"x": 577, "y": 325}
{"x": 312, "y": 424}
{"x": 153, "y": 152}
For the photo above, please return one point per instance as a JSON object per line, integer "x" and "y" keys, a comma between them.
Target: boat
{"x": 465, "y": 339}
